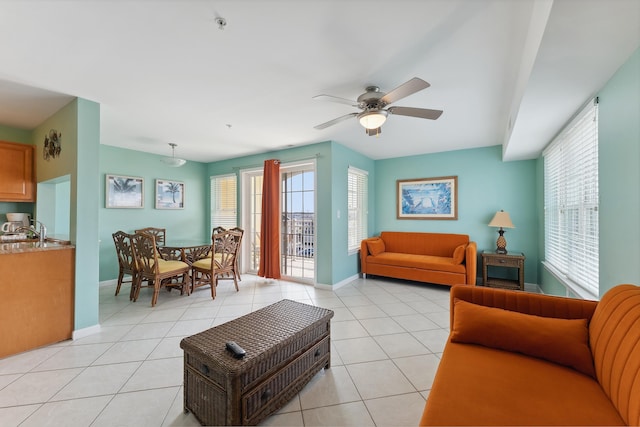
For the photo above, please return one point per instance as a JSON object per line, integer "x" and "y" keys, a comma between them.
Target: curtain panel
{"x": 270, "y": 225}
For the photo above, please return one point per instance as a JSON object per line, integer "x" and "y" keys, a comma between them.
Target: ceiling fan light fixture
{"x": 173, "y": 161}
{"x": 372, "y": 119}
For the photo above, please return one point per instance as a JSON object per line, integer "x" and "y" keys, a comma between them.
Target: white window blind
{"x": 571, "y": 202}
{"x": 224, "y": 201}
{"x": 357, "y": 190}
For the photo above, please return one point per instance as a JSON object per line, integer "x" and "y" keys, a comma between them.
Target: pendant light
{"x": 173, "y": 161}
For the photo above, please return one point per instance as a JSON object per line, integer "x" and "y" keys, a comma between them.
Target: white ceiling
{"x": 508, "y": 72}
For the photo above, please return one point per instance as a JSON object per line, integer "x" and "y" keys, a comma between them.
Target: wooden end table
{"x": 508, "y": 260}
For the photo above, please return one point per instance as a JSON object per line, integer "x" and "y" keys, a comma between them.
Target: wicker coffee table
{"x": 286, "y": 344}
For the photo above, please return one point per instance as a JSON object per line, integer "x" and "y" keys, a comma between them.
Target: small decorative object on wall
{"x": 428, "y": 198}
{"x": 52, "y": 145}
{"x": 124, "y": 191}
{"x": 169, "y": 194}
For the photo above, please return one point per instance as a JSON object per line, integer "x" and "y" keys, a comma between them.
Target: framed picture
{"x": 428, "y": 198}
{"x": 169, "y": 194}
{"x": 124, "y": 191}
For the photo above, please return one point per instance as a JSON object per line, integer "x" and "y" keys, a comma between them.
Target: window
{"x": 571, "y": 203}
{"x": 357, "y": 205}
{"x": 223, "y": 201}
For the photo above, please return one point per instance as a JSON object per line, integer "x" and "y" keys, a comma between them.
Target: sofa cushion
{"x": 375, "y": 246}
{"x": 458, "y": 254}
{"x": 424, "y": 262}
{"x": 435, "y": 244}
{"x": 477, "y": 385}
{"x": 562, "y": 341}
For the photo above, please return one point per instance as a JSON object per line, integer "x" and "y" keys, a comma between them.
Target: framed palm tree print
{"x": 169, "y": 194}
{"x": 124, "y": 191}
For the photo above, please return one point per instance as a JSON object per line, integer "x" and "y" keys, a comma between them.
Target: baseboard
{"x": 108, "y": 282}
{"x": 533, "y": 287}
{"x": 85, "y": 332}
{"x": 336, "y": 285}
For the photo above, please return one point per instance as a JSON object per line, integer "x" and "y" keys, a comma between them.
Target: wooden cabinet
{"x": 17, "y": 177}
{"x": 37, "y": 301}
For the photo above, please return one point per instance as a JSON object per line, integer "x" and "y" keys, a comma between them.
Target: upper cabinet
{"x": 17, "y": 180}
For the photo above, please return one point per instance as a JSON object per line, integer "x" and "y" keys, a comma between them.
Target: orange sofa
{"x": 517, "y": 358}
{"x": 441, "y": 258}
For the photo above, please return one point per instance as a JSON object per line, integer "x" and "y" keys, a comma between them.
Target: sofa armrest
{"x": 471, "y": 262}
{"x": 364, "y": 252}
{"x": 523, "y": 302}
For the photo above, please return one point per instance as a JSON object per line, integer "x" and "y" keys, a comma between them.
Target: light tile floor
{"x": 387, "y": 337}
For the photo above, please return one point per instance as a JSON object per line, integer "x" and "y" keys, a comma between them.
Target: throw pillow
{"x": 375, "y": 246}
{"x": 458, "y": 254}
{"x": 562, "y": 341}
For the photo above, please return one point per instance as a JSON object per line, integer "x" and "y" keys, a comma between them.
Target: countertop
{"x": 32, "y": 246}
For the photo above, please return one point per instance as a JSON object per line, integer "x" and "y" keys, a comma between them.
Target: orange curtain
{"x": 270, "y": 226}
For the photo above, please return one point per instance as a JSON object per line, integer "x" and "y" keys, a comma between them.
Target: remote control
{"x": 238, "y": 352}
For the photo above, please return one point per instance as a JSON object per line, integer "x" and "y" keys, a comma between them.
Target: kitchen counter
{"x": 33, "y": 246}
{"x": 37, "y": 304}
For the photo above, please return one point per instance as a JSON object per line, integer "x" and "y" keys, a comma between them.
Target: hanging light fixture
{"x": 372, "y": 119}
{"x": 173, "y": 161}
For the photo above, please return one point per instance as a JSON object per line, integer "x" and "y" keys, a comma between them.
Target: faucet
{"x": 43, "y": 231}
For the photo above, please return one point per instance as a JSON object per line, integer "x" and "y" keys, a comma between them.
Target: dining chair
{"x": 221, "y": 264}
{"x": 159, "y": 233}
{"x": 157, "y": 271}
{"x": 237, "y": 257}
{"x": 126, "y": 260}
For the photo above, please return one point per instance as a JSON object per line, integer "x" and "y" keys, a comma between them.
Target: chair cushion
{"x": 375, "y": 246}
{"x": 205, "y": 263}
{"x": 562, "y": 341}
{"x": 167, "y": 266}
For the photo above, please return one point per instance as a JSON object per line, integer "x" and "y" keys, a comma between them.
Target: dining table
{"x": 188, "y": 250}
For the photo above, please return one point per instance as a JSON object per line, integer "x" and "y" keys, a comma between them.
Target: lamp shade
{"x": 501, "y": 219}
{"x": 372, "y": 119}
{"x": 173, "y": 161}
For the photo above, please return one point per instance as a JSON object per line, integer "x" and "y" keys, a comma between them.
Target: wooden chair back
{"x": 159, "y": 233}
{"x": 126, "y": 258}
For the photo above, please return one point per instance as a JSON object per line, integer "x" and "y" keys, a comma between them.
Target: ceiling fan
{"x": 373, "y": 104}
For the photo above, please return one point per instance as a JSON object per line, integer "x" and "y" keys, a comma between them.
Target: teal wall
{"x": 486, "y": 184}
{"x": 190, "y": 223}
{"x": 79, "y": 123}
{"x": 346, "y": 265}
{"x": 332, "y": 161}
{"x": 619, "y": 175}
{"x": 22, "y": 136}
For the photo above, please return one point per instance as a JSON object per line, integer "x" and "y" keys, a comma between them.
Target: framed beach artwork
{"x": 124, "y": 192}
{"x": 169, "y": 194}
{"x": 428, "y": 198}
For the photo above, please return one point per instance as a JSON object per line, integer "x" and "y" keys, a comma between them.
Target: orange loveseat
{"x": 441, "y": 258}
{"x": 517, "y": 358}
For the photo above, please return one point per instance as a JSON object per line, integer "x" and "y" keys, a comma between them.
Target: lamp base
{"x": 501, "y": 243}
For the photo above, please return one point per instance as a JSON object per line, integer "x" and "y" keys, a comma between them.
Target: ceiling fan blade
{"x": 408, "y": 88}
{"x": 336, "y": 99}
{"x": 422, "y": 113}
{"x": 335, "y": 121}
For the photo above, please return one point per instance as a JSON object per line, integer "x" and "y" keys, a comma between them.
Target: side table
{"x": 508, "y": 260}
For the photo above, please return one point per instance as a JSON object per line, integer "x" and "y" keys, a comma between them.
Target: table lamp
{"x": 501, "y": 219}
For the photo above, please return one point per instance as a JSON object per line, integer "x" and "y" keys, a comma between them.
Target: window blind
{"x": 224, "y": 211}
{"x": 571, "y": 201}
{"x": 357, "y": 203}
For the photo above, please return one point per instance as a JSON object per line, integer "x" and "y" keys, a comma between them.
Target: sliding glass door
{"x": 297, "y": 212}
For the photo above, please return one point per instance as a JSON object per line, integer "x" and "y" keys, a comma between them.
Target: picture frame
{"x": 124, "y": 192}
{"x": 428, "y": 198}
{"x": 169, "y": 194}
